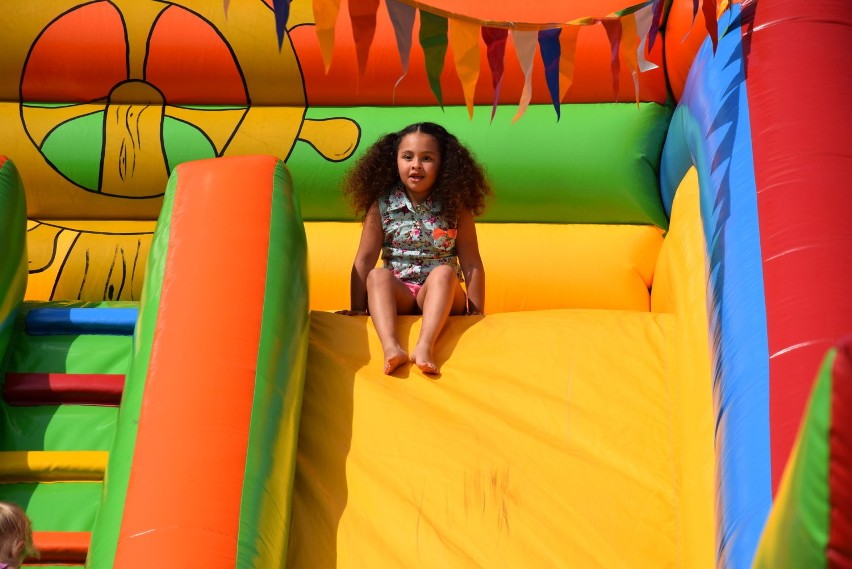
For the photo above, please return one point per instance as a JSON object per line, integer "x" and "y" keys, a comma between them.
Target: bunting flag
{"x": 325, "y": 17}
{"x": 656, "y": 20}
{"x": 525, "y": 43}
{"x": 282, "y": 14}
{"x": 363, "y": 17}
{"x": 643, "y": 25}
{"x": 495, "y": 44}
{"x": 551, "y": 51}
{"x": 464, "y": 43}
{"x": 568, "y": 46}
{"x": 402, "y": 18}
{"x": 708, "y": 8}
{"x": 631, "y": 33}
{"x": 613, "y": 32}
{"x": 433, "y": 40}
{"x": 629, "y": 49}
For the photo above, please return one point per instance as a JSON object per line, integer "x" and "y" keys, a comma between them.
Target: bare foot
{"x": 394, "y": 357}
{"x": 422, "y": 358}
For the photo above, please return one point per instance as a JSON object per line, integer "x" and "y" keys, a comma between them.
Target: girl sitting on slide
{"x": 418, "y": 191}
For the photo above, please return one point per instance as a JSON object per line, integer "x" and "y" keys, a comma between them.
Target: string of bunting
{"x": 631, "y": 31}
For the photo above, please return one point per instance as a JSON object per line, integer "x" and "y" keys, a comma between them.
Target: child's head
{"x": 459, "y": 181}
{"x": 16, "y": 535}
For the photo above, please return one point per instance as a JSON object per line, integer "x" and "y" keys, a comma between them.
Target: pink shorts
{"x": 414, "y": 288}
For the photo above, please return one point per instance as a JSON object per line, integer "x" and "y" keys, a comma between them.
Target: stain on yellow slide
{"x": 546, "y": 442}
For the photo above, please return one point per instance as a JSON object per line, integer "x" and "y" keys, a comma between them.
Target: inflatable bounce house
{"x": 663, "y": 376}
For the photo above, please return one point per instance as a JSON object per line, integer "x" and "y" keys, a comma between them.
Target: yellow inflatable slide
{"x": 551, "y": 438}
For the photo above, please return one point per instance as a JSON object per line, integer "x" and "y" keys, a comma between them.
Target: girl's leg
{"x": 386, "y": 297}
{"x": 441, "y": 295}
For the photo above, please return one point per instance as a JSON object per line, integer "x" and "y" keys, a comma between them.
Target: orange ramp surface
{"x": 547, "y": 441}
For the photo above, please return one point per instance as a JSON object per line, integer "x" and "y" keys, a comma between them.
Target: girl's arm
{"x": 372, "y": 238}
{"x": 467, "y": 249}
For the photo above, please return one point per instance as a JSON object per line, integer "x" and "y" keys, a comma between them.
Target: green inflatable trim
{"x": 13, "y": 251}
{"x": 107, "y": 525}
{"x": 598, "y": 164}
{"x": 279, "y": 386}
{"x": 796, "y": 534}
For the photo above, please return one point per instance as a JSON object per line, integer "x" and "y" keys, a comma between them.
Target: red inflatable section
{"x": 800, "y": 88}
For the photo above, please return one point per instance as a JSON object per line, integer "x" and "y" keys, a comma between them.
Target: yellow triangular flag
{"x": 464, "y": 43}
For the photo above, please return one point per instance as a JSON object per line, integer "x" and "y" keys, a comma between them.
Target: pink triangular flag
{"x": 495, "y": 42}
{"x": 643, "y": 26}
{"x": 402, "y": 18}
{"x": 613, "y": 32}
{"x": 525, "y": 44}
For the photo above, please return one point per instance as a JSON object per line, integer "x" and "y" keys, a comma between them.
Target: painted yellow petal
{"x": 335, "y": 139}
{"x": 42, "y": 241}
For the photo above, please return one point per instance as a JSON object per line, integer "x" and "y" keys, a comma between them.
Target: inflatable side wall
{"x": 774, "y": 234}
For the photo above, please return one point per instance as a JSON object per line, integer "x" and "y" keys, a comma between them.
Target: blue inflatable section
{"x": 711, "y": 130}
{"x": 54, "y": 321}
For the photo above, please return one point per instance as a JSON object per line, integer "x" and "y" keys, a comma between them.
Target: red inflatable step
{"x": 63, "y": 388}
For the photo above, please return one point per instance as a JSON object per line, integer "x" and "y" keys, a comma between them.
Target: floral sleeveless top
{"x": 417, "y": 238}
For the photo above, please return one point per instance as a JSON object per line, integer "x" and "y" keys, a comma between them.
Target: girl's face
{"x": 418, "y": 160}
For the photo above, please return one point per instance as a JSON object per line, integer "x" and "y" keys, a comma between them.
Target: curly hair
{"x": 461, "y": 182}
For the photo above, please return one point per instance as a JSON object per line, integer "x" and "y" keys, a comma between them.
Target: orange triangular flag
{"x": 325, "y": 16}
{"x": 464, "y": 43}
{"x": 568, "y": 45}
{"x": 629, "y": 45}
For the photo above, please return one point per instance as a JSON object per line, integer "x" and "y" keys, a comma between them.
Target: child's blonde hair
{"x": 16, "y": 535}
